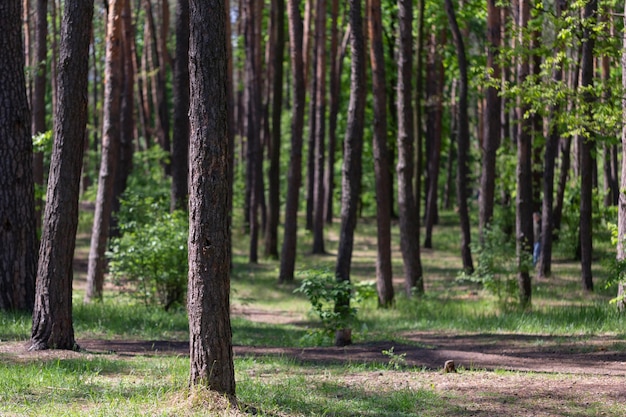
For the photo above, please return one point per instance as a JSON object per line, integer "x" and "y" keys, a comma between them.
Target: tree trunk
{"x": 621, "y": 207}
{"x": 462, "y": 176}
{"x": 586, "y": 148}
{"x": 180, "y": 139}
{"x": 493, "y": 125}
{"x": 278, "y": 27}
{"x": 18, "y": 234}
{"x": 409, "y": 217}
{"x": 320, "y": 127}
{"x": 335, "y": 98}
{"x": 52, "y": 316}
{"x": 384, "y": 274}
{"x": 208, "y": 305}
{"x": 352, "y": 151}
{"x": 311, "y": 85}
{"x": 38, "y": 103}
{"x": 110, "y": 152}
{"x": 294, "y": 174}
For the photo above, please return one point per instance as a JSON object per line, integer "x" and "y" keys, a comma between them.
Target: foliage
{"x": 323, "y": 291}
{"x": 150, "y": 255}
{"x": 496, "y": 265}
{"x": 396, "y": 361}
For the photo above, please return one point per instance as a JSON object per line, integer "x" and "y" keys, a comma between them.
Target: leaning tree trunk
{"x": 211, "y": 353}
{"x": 462, "y": 176}
{"x": 352, "y": 154}
{"x": 18, "y": 235}
{"x": 409, "y": 217}
{"x": 294, "y": 174}
{"x": 384, "y": 274}
{"x": 110, "y": 152}
{"x": 52, "y": 315}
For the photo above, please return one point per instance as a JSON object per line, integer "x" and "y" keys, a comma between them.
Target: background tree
{"x": 294, "y": 174}
{"x": 18, "y": 236}
{"x": 110, "y": 151}
{"x": 208, "y": 303}
{"x": 621, "y": 208}
{"x": 384, "y": 275}
{"x": 408, "y": 216}
{"x": 352, "y": 156}
{"x": 52, "y": 315}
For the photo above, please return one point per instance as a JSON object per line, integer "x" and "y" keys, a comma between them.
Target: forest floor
{"x": 498, "y": 374}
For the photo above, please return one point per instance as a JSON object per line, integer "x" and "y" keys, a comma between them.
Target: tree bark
{"x": 335, "y": 97}
{"x": 278, "y": 27}
{"x": 409, "y": 217}
{"x": 208, "y": 305}
{"x": 384, "y": 274}
{"x": 621, "y": 207}
{"x": 52, "y": 315}
{"x": 493, "y": 125}
{"x": 462, "y": 176}
{"x": 180, "y": 138}
{"x": 294, "y": 174}
{"x": 586, "y": 148}
{"x": 353, "y": 151}
{"x": 110, "y": 152}
{"x": 18, "y": 235}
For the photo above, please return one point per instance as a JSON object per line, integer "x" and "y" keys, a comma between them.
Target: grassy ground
{"x": 267, "y": 315}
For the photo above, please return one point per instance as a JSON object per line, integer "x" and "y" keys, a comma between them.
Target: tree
{"x": 180, "y": 138}
{"x": 278, "y": 29}
{"x": 384, "y": 275}
{"x": 586, "y": 146}
{"x": 110, "y": 151}
{"x": 621, "y": 208}
{"x": 352, "y": 155}
{"x": 409, "y": 218}
{"x": 52, "y": 315}
{"x": 462, "y": 176}
{"x": 208, "y": 304}
{"x": 294, "y": 174}
{"x": 493, "y": 128}
{"x": 18, "y": 237}
{"x": 320, "y": 127}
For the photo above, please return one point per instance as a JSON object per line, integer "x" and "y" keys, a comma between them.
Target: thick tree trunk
{"x": 294, "y": 174}
{"x": 320, "y": 127}
{"x": 110, "y": 152}
{"x": 353, "y": 150}
{"x": 587, "y": 149}
{"x": 52, "y": 315}
{"x": 278, "y": 27}
{"x": 18, "y": 235}
{"x": 493, "y": 125}
{"x": 462, "y": 176}
{"x": 180, "y": 139}
{"x": 384, "y": 274}
{"x": 409, "y": 217}
{"x": 208, "y": 305}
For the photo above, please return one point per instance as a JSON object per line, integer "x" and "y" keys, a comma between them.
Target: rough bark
{"x": 180, "y": 134}
{"x": 110, "y": 152}
{"x": 621, "y": 207}
{"x": 294, "y": 174}
{"x": 18, "y": 253}
{"x": 352, "y": 151}
{"x": 52, "y": 315}
{"x": 462, "y": 176}
{"x": 384, "y": 274}
{"x": 408, "y": 216}
{"x": 211, "y": 353}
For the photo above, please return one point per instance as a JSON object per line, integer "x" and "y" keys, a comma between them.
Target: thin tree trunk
{"x": 311, "y": 85}
{"x": 384, "y": 274}
{"x": 621, "y": 207}
{"x": 335, "y": 97}
{"x": 294, "y": 174}
{"x": 409, "y": 217}
{"x": 110, "y": 152}
{"x": 462, "y": 177}
{"x": 52, "y": 315}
